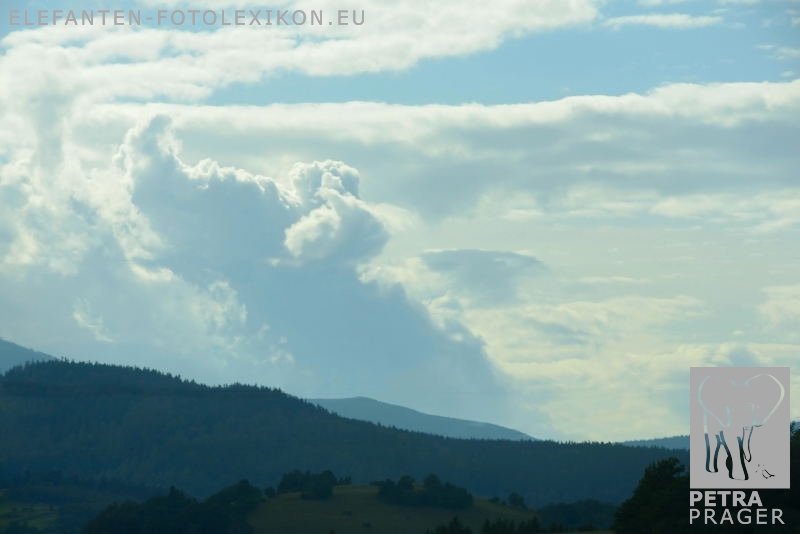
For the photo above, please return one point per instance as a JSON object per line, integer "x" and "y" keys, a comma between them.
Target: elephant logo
{"x": 742, "y": 412}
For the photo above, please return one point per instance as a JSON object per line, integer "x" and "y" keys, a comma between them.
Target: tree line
{"x": 433, "y": 493}
{"x": 152, "y": 429}
{"x": 660, "y": 502}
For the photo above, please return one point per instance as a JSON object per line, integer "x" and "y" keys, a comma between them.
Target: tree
{"x": 658, "y": 503}
{"x": 432, "y": 481}
{"x": 320, "y": 486}
{"x": 224, "y": 512}
{"x": 15, "y": 527}
{"x": 516, "y": 500}
{"x": 434, "y": 493}
{"x": 310, "y": 486}
{"x": 454, "y": 527}
{"x": 499, "y": 526}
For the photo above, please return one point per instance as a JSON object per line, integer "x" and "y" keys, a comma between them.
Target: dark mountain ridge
{"x": 152, "y": 429}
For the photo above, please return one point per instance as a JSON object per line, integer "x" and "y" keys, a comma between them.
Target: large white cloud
{"x": 221, "y": 274}
{"x": 338, "y": 225}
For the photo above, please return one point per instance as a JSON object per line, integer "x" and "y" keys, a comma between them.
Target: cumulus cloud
{"x": 221, "y": 273}
{"x": 214, "y": 216}
{"x": 338, "y": 225}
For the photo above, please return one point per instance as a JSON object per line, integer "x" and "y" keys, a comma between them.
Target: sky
{"x": 539, "y": 214}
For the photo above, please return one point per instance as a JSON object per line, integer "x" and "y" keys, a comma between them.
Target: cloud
{"x": 489, "y": 276}
{"x": 781, "y": 53}
{"x": 219, "y": 273}
{"x": 787, "y": 52}
{"x": 83, "y": 316}
{"x": 781, "y": 310}
{"x": 318, "y": 212}
{"x": 678, "y": 21}
{"x": 599, "y": 189}
{"x": 377, "y": 249}
{"x": 174, "y": 64}
{"x": 763, "y": 212}
{"x": 591, "y": 325}
{"x": 339, "y": 225}
{"x": 589, "y": 346}
{"x": 661, "y": 152}
{"x": 653, "y": 3}
{"x": 556, "y": 346}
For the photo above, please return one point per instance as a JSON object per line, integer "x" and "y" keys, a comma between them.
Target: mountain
{"x": 12, "y": 355}
{"x": 673, "y": 442}
{"x": 150, "y": 429}
{"x": 392, "y": 415}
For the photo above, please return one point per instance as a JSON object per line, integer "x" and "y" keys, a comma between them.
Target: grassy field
{"x": 39, "y": 516}
{"x": 356, "y": 509}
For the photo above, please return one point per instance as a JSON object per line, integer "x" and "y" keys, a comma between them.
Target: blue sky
{"x": 552, "y": 65}
{"x": 539, "y": 216}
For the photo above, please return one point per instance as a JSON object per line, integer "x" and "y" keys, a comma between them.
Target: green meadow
{"x": 357, "y": 509}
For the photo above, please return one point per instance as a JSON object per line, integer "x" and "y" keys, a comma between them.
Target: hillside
{"x": 12, "y": 355}
{"x": 344, "y": 508}
{"x": 357, "y": 509}
{"x": 150, "y": 429}
{"x": 366, "y": 409}
{"x": 55, "y": 504}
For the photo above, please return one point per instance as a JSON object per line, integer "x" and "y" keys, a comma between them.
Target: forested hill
{"x": 152, "y": 429}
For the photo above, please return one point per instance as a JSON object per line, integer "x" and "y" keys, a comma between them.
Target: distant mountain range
{"x": 392, "y": 415}
{"x": 150, "y": 429}
{"x": 374, "y": 411}
{"x": 674, "y": 442}
{"x": 12, "y": 355}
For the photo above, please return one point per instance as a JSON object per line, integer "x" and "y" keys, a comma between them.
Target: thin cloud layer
{"x": 664, "y": 20}
{"x": 174, "y": 63}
